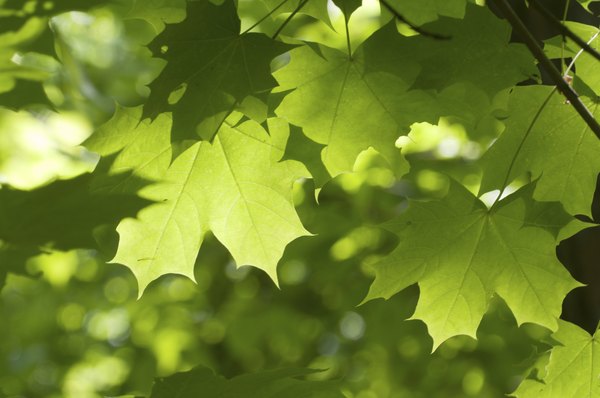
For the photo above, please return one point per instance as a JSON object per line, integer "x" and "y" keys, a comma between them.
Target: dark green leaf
{"x": 63, "y": 214}
{"x": 201, "y": 381}
{"x": 210, "y": 69}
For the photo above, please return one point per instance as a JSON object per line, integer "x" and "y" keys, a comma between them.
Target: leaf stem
{"x": 555, "y": 75}
{"x": 346, "y": 20}
{"x": 289, "y": 18}
{"x": 414, "y": 27}
{"x": 562, "y": 43}
{"x": 265, "y": 17}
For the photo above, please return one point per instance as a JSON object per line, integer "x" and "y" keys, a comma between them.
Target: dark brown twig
{"x": 265, "y": 17}
{"x": 555, "y": 75}
{"x": 414, "y": 27}
{"x": 564, "y": 30}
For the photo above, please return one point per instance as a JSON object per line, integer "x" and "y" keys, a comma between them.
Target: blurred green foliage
{"x": 77, "y": 330}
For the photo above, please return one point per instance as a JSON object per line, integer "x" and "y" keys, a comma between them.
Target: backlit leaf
{"x": 573, "y": 370}
{"x": 352, "y": 104}
{"x": 232, "y": 187}
{"x": 557, "y": 146}
{"x": 461, "y": 254}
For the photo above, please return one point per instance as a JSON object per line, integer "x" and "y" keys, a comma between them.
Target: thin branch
{"x": 289, "y": 18}
{"x": 538, "y": 53}
{"x": 564, "y": 30}
{"x": 578, "y": 54}
{"x": 414, "y": 27}
{"x": 265, "y": 17}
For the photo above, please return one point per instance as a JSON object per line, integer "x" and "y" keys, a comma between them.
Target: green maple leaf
{"x": 296, "y": 146}
{"x": 276, "y": 8}
{"x": 12, "y": 259}
{"x": 487, "y": 59}
{"x": 460, "y": 254}
{"x": 139, "y": 146}
{"x": 210, "y": 66}
{"x": 470, "y": 107}
{"x": 266, "y": 384}
{"x": 234, "y": 187}
{"x": 558, "y": 148}
{"x": 48, "y": 8}
{"x": 573, "y": 369}
{"x": 348, "y": 6}
{"x": 586, "y": 64}
{"x": 156, "y": 12}
{"x": 165, "y": 238}
{"x": 352, "y": 104}
{"x": 63, "y": 214}
{"x": 584, "y": 68}
{"x": 315, "y": 8}
{"x": 422, "y": 11}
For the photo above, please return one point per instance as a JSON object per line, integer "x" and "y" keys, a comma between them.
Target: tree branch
{"x": 414, "y": 27}
{"x": 265, "y": 17}
{"x": 555, "y": 75}
{"x": 300, "y": 6}
{"x": 564, "y": 30}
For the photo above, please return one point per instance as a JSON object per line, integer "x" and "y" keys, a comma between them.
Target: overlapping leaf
{"x": 348, "y": 6}
{"x": 139, "y": 146}
{"x": 299, "y": 147}
{"x": 211, "y": 67}
{"x": 586, "y": 64}
{"x": 12, "y": 259}
{"x": 201, "y": 381}
{"x": 351, "y": 104}
{"x": 460, "y": 254}
{"x": 157, "y": 12}
{"x": 47, "y": 8}
{"x": 63, "y": 214}
{"x": 486, "y": 60}
{"x": 573, "y": 370}
{"x": 422, "y": 11}
{"x": 233, "y": 187}
{"x": 458, "y": 251}
{"x": 582, "y": 66}
{"x": 557, "y": 146}
{"x": 277, "y": 10}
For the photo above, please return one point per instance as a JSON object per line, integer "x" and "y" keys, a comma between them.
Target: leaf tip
{"x": 272, "y": 272}
{"x": 372, "y": 295}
